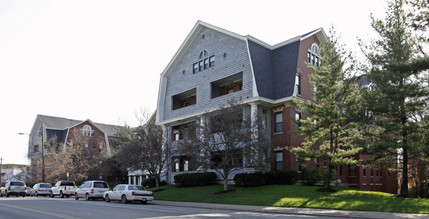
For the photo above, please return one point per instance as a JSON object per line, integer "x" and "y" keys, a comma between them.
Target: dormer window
{"x": 314, "y": 55}
{"x": 87, "y": 131}
{"x": 298, "y": 83}
{"x": 203, "y": 63}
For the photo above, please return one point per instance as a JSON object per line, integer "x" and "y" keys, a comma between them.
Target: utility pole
{"x": 1, "y": 165}
{"x": 43, "y": 153}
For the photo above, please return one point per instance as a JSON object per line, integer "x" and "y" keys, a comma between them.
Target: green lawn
{"x": 297, "y": 196}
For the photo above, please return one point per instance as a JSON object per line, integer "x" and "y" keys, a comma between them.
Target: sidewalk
{"x": 296, "y": 211}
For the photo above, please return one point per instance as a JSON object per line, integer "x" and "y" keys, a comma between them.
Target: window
{"x": 298, "y": 164}
{"x": 86, "y": 145}
{"x": 36, "y": 148}
{"x": 363, "y": 171}
{"x": 313, "y": 55}
{"x": 211, "y": 61}
{"x": 278, "y": 120}
{"x": 352, "y": 170}
{"x": 203, "y": 63}
{"x": 264, "y": 119}
{"x": 298, "y": 84}
{"x": 297, "y": 118}
{"x": 316, "y": 162}
{"x": 87, "y": 131}
{"x": 279, "y": 160}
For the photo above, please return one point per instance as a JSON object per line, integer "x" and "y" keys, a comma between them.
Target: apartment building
{"x": 214, "y": 65}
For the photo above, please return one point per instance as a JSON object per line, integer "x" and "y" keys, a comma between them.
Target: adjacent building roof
{"x": 58, "y": 123}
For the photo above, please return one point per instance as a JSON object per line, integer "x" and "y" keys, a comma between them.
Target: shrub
{"x": 240, "y": 179}
{"x": 255, "y": 179}
{"x": 284, "y": 177}
{"x": 311, "y": 176}
{"x": 151, "y": 182}
{"x": 195, "y": 179}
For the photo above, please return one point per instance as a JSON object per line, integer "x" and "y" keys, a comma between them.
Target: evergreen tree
{"x": 330, "y": 129}
{"x": 398, "y": 93}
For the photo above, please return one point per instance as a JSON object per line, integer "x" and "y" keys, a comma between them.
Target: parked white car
{"x": 41, "y": 189}
{"x": 126, "y": 193}
{"x": 91, "y": 190}
{"x": 63, "y": 188}
{"x": 16, "y": 188}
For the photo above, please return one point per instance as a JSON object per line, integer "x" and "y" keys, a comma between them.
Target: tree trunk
{"x": 157, "y": 182}
{"x": 225, "y": 183}
{"x": 404, "y": 184}
{"x": 331, "y": 148}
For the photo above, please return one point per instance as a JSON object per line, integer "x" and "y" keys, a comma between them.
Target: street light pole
{"x": 43, "y": 153}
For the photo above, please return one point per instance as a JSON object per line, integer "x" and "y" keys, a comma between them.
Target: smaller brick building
{"x": 98, "y": 139}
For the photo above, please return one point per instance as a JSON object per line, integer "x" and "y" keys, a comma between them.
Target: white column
{"x": 254, "y": 128}
{"x": 129, "y": 179}
{"x": 140, "y": 180}
{"x": 254, "y": 120}
{"x": 134, "y": 180}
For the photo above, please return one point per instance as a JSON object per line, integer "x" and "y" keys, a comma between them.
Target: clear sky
{"x": 101, "y": 59}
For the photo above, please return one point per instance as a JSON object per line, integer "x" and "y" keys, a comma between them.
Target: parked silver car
{"x": 16, "y": 188}
{"x": 126, "y": 193}
{"x": 41, "y": 189}
{"x": 91, "y": 190}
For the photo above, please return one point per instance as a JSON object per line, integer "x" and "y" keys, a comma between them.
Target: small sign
{"x": 48, "y": 167}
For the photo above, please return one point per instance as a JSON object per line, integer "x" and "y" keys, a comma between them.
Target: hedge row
{"x": 150, "y": 182}
{"x": 285, "y": 177}
{"x": 195, "y": 179}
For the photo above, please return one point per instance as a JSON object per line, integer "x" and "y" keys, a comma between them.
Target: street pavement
{"x": 295, "y": 211}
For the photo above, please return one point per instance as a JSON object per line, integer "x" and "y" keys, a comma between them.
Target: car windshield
{"x": 16, "y": 183}
{"x": 45, "y": 186}
{"x": 141, "y": 188}
{"x": 100, "y": 185}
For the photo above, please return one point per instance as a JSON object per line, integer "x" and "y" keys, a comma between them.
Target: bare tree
{"x": 141, "y": 148}
{"x": 226, "y": 141}
{"x": 77, "y": 159}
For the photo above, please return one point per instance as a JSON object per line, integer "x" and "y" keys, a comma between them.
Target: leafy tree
{"x": 398, "y": 94}
{"x": 330, "y": 129}
{"x": 226, "y": 136}
{"x": 142, "y": 148}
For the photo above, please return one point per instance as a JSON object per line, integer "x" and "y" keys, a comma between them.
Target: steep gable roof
{"x": 58, "y": 123}
{"x": 274, "y": 67}
{"x": 190, "y": 38}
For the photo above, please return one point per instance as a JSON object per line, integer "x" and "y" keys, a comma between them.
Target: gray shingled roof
{"x": 59, "y": 123}
{"x": 274, "y": 69}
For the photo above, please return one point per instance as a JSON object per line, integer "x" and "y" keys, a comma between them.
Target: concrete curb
{"x": 294, "y": 211}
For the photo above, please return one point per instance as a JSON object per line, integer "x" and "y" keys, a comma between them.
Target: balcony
{"x": 185, "y": 99}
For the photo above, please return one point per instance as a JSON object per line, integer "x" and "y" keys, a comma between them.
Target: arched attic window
{"x": 87, "y": 131}
{"x": 314, "y": 55}
{"x": 203, "y": 63}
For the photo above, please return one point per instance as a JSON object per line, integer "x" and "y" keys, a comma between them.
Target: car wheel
{"x": 52, "y": 194}
{"x": 37, "y": 194}
{"x": 61, "y": 194}
{"x": 1, "y": 194}
{"x": 7, "y": 194}
{"x": 87, "y": 197}
{"x": 23, "y": 194}
{"x": 124, "y": 199}
{"x": 107, "y": 199}
{"x": 76, "y": 197}
{"x": 144, "y": 202}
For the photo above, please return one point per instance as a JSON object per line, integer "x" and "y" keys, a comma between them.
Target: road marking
{"x": 41, "y": 211}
